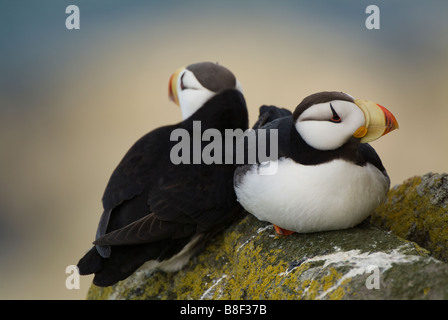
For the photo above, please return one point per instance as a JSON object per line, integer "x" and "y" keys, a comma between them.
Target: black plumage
{"x": 291, "y": 144}
{"x": 327, "y": 177}
{"x": 153, "y": 208}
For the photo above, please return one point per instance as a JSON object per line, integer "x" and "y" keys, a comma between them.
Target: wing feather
{"x": 148, "y": 198}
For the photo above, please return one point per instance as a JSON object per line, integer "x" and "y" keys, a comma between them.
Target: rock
{"x": 417, "y": 210}
{"x": 249, "y": 261}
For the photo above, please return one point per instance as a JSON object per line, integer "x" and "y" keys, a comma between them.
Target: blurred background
{"x": 73, "y": 101}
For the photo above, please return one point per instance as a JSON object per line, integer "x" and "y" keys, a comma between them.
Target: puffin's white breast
{"x": 328, "y": 196}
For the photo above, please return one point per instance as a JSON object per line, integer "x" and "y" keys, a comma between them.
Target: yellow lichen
{"x": 247, "y": 261}
{"x": 412, "y": 216}
{"x": 252, "y": 273}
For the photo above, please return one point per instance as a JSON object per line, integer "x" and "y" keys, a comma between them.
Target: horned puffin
{"x": 158, "y": 213}
{"x": 327, "y": 176}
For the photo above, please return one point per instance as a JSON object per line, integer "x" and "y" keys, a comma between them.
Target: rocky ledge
{"x": 417, "y": 210}
{"x": 249, "y": 261}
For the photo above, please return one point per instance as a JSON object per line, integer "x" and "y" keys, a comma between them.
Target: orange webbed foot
{"x": 282, "y": 232}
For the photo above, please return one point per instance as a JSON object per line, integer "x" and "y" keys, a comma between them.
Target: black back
{"x": 153, "y": 208}
{"x": 292, "y": 145}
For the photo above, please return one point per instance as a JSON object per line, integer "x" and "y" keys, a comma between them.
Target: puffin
{"x": 158, "y": 213}
{"x": 327, "y": 176}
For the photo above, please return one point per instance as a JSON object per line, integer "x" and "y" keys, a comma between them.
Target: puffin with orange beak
{"x": 327, "y": 176}
{"x": 157, "y": 214}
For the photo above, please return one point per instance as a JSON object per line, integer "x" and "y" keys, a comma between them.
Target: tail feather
{"x": 90, "y": 263}
{"x": 126, "y": 259}
{"x": 270, "y": 113}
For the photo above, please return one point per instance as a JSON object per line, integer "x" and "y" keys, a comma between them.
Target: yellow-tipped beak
{"x": 172, "y": 86}
{"x": 379, "y": 121}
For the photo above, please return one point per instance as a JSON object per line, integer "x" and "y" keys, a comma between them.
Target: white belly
{"x": 329, "y": 196}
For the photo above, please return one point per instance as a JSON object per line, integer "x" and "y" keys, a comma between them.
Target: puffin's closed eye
{"x": 335, "y": 118}
{"x": 182, "y": 87}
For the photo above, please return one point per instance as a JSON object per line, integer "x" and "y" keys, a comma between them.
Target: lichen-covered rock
{"x": 249, "y": 261}
{"x": 417, "y": 210}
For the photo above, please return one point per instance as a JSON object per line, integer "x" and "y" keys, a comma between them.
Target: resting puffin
{"x": 327, "y": 177}
{"x": 159, "y": 212}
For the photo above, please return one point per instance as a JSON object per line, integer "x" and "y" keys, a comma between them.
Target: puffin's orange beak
{"x": 172, "y": 86}
{"x": 379, "y": 121}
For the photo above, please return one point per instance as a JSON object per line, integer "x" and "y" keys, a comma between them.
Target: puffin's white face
{"x": 187, "y": 91}
{"x": 327, "y": 126}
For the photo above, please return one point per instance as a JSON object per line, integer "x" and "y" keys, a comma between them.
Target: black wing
{"x": 148, "y": 198}
{"x": 183, "y": 199}
{"x": 369, "y": 154}
{"x": 270, "y": 113}
{"x": 124, "y": 199}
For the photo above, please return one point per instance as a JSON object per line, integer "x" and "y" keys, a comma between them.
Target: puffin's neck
{"x": 304, "y": 154}
{"x": 226, "y": 110}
